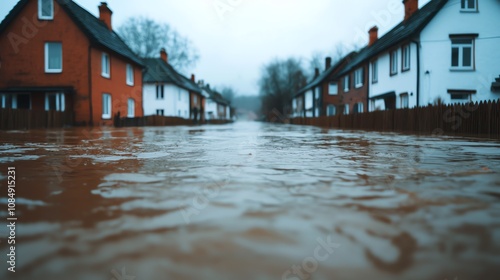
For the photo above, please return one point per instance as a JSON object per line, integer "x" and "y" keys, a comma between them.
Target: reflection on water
{"x": 249, "y": 201}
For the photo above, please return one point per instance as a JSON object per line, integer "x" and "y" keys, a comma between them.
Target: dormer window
{"x": 469, "y": 6}
{"x": 45, "y": 9}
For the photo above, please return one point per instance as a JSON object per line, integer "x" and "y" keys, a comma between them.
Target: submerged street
{"x": 251, "y": 201}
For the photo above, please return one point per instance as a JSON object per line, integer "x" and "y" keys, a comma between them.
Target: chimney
{"x": 105, "y": 15}
{"x": 411, "y": 6}
{"x": 164, "y": 55}
{"x": 373, "y": 35}
{"x": 316, "y": 72}
{"x": 328, "y": 63}
{"x": 193, "y": 78}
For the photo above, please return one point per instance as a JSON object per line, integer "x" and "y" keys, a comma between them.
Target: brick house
{"x": 324, "y": 87}
{"x": 55, "y": 55}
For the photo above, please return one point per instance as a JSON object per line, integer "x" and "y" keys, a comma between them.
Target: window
{"x": 179, "y": 113}
{"x": 45, "y": 9}
{"x": 333, "y": 88}
{"x": 105, "y": 65}
{"x": 461, "y": 95}
{"x": 160, "y": 112}
{"x": 131, "y": 108}
{"x": 406, "y": 58}
{"x": 55, "y": 102}
{"x": 346, "y": 109}
{"x": 358, "y": 78}
{"x": 130, "y": 75}
{"x": 394, "y": 62}
{"x": 53, "y": 57}
{"x": 106, "y": 106}
{"x": 462, "y": 53}
{"x": 374, "y": 71}
{"x": 8, "y": 101}
{"x": 195, "y": 100}
{"x": 160, "y": 92}
{"x": 469, "y": 6}
{"x": 404, "y": 101}
{"x": 331, "y": 110}
{"x": 358, "y": 107}
{"x": 180, "y": 98}
{"x": 346, "y": 83}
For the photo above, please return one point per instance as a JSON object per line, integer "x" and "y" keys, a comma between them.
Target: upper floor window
{"x": 346, "y": 83}
{"x": 45, "y": 9}
{"x": 375, "y": 71}
{"x": 105, "y": 65}
{"x": 462, "y": 53}
{"x": 406, "y": 58}
{"x": 358, "y": 77}
{"x": 333, "y": 88}
{"x": 394, "y": 62}
{"x": 106, "y": 106}
{"x": 180, "y": 96}
{"x": 53, "y": 57}
{"x": 131, "y": 108}
{"x": 130, "y": 75}
{"x": 160, "y": 92}
{"x": 469, "y": 6}
{"x": 55, "y": 102}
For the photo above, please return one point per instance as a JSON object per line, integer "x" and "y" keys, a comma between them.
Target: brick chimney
{"x": 164, "y": 55}
{"x": 193, "y": 78}
{"x": 316, "y": 72}
{"x": 411, "y": 6}
{"x": 328, "y": 63}
{"x": 373, "y": 35}
{"x": 105, "y": 15}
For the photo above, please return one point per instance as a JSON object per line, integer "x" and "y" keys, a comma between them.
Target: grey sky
{"x": 234, "y": 43}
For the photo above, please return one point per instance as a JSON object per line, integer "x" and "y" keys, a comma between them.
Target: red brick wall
{"x": 23, "y": 64}
{"x": 355, "y": 95}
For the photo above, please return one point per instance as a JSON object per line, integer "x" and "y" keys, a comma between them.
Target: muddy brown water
{"x": 250, "y": 201}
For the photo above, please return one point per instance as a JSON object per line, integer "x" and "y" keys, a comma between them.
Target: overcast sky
{"x": 236, "y": 37}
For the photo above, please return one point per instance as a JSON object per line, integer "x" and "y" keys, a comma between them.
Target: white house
{"x": 447, "y": 50}
{"x": 216, "y": 107}
{"x": 166, "y": 92}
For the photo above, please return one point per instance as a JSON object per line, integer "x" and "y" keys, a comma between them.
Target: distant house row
{"x": 55, "y": 55}
{"x": 448, "y": 51}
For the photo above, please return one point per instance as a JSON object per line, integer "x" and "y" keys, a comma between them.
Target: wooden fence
{"x": 160, "y": 121}
{"x": 17, "y": 119}
{"x": 474, "y": 119}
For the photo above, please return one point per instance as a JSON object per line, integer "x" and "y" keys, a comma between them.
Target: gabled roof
{"x": 323, "y": 76}
{"x": 406, "y": 30}
{"x": 215, "y": 96}
{"x": 97, "y": 32}
{"x": 158, "y": 71}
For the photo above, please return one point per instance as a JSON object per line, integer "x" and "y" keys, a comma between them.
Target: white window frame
{"x": 47, "y": 58}
{"x": 333, "y": 88}
{"x": 404, "y": 101}
{"x": 375, "y": 71}
{"x": 160, "y": 92}
{"x": 464, "y": 6}
{"x": 160, "y": 112}
{"x": 461, "y": 47}
{"x": 180, "y": 96}
{"x": 393, "y": 61}
{"x": 358, "y": 78}
{"x": 195, "y": 100}
{"x": 328, "y": 110}
{"x": 406, "y": 58}
{"x": 60, "y": 101}
{"x": 130, "y": 75}
{"x": 360, "y": 107}
{"x": 346, "y": 109}
{"x": 105, "y": 65}
{"x": 40, "y": 15}
{"x": 107, "y": 98}
{"x": 130, "y": 108}
{"x": 347, "y": 83}
{"x": 3, "y": 101}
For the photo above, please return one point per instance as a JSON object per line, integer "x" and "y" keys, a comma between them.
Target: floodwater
{"x": 250, "y": 201}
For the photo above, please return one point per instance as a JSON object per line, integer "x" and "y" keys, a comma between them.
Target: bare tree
{"x": 279, "y": 81}
{"x": 146, "y": 37}
{"x": 317, "y": 59}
